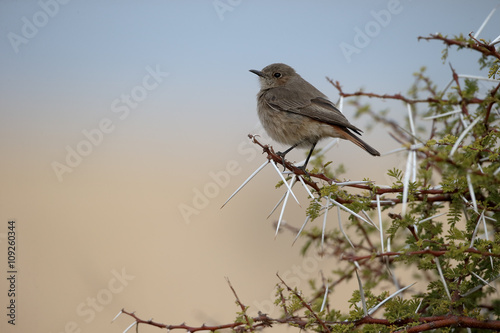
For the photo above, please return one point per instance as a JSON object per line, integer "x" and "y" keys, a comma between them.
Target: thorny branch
{"x": 438, "y": 194}
{"x": 436, "y": 253}
{"x": 303, "y": 322}
{"x": 305, "y": 317}
{"x": 243, "y": 307}
{"x": 484, "y": 48}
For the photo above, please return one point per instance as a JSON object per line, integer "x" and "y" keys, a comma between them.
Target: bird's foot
{"x": 303, "y": 168}
{"x": 283, "y": 161}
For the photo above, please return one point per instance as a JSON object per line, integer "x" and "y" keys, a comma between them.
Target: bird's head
{"x": 275, "y": 75}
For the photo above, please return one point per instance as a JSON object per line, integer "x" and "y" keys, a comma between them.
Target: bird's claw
{"x": 303, "y": 168}
{"x": 283, "y": 161}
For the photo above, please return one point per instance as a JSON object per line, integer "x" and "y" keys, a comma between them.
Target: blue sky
{"x": 87, "y": 53}
{"x": 84, "y": 55}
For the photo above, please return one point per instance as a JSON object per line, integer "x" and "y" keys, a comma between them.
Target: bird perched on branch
{"x": 294, "y": 112}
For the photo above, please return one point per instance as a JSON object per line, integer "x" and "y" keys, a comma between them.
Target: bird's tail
{"x": 354, "y": 139}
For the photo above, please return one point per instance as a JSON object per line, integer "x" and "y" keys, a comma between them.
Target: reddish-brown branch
{"x": 264, "y": 321}
{"x": 485, "y": 49}
{"x": 242, "y": 307}
{"x": 261, "y": 320}
{"x": 419, "y": 195}
{"x": 463, "y": 103}
{"x": 436, "y": 253}
{"x": 412, "y": 230}
{"x": 454, "y": 321}
{"x": 400, "y": 97}
{"x": 490, "y": 105}
{"x": 271, "y": 155}
{"x": 304, "y": 303}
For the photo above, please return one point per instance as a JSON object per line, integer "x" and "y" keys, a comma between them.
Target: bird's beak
{"x": 256, "y": 72}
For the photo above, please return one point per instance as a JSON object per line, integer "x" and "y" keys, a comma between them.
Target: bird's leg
{"x": 303, "y": 168}
{"x": 283, "y": 154}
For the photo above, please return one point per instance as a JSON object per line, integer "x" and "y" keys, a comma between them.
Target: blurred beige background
{"x": 111, "y": 234}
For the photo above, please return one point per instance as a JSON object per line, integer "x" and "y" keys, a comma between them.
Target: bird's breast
{"x": 287, "y": 127}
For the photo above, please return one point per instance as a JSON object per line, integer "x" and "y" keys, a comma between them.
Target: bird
{"x": 293, "y": 112}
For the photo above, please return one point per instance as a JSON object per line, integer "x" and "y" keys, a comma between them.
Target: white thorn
{"x": 245, "y": 182}
{"x": 300, "y": 231}
{"x": 362, "y": 294}
{"x": 495, "y": 41}
{"x": 430, "y": 218}
{"x": 471, "y": 192}
{"x": 443, "y": 114}
{"x": 283, "y": 208}
{"x": 118, "y": 315}
{"x": 406, "y": 181}
{"x": 342, "y": 229}
{"x": 324, "y": 299}
{"x": 133, "y": 324}
{"x": 414, "y": 166}
{"x": 479, "y": 287}
{"x": 324, "y": 227}
{"x": 475, "y": 77}
{"x": 372, "y": 310}
{"x": 284, "y": 181}
{"x": 277, "y": 205}
{"x": 473, "y": 238}
{"x": 410, "y": 117}
{"x": 419, "y": 305}
{"x": 369, "y": 219}
{"x": 484, "y": 22}
{"x": 348, "y": 210}
{"x": 483, "y": 280}
{"x": 397, "y": 150}
{"x": 462, "y": 136}
{"x": 442, "y": 277}
{"x": 487, "y": 238}
{"x": 355, "y": 182}
{"x": 305, "y": 186}
{"x": 379, "y": 210}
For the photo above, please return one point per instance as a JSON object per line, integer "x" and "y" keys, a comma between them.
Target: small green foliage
{"x": 328, "y": 190}
{"x": 314, "y": 209}
{"x": 452, "y": 202}
{"x": 398, "y": 308}
{"x": 242, "y": 317}
{"x": 471, "y": 88}
{"x": 281, "y": 183}
{"x": 444, "y": 55}
{"x": 398, "y": 176}
{"x": 494, "y": 72}
{"x": 448, "y": 140}
{"x": 442, "y": 185}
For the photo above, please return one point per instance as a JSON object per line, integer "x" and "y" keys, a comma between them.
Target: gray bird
{"x": 294, "y": 112}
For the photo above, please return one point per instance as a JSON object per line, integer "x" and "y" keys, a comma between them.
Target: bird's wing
{"x": 317, "y": 108}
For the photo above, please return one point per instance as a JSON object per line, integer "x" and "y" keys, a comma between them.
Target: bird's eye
{"x": 277, "y": 75}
